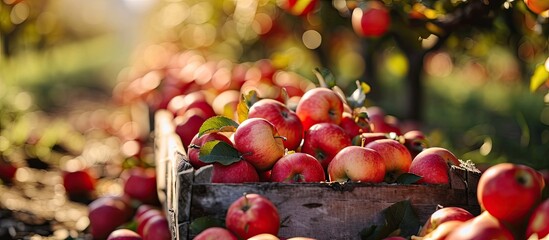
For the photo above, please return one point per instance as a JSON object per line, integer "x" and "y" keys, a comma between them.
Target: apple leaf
{"x": 217, "y": 124}
{"x": 358, "y": 97}
{"x": 540, "y": 76}
{"x": 325, "y": 77}
{"x": 246, "y": 101}
{"x": 407, "y": 178}
{"x": 398, "y": 218}
{"x": 202, "y": 223}
{"x": 218, "y": 151}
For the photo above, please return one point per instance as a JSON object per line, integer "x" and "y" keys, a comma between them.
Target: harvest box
{"x": 317, "y": 210}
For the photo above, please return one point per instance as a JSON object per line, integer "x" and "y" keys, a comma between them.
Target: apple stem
{"x": 363, "y": 141}
{"x": 244, "y": 154}
{"x": 246, "y": 203}
{"x": 283, "y": 138}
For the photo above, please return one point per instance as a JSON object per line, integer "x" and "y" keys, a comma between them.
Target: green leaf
{"x": 407, "y": 178}
{"x": 398, "y": 218}
{"x": 202, "y": 223}
{"x": 218, "y": 151}
{"x": 540, "y": 76}
{"x": 217, "y": 124}
{"x": 325, "y": 77}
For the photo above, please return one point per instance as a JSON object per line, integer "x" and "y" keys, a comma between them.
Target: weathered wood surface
{"x": 319, "y": 210}
{"x": 327, "y": 210}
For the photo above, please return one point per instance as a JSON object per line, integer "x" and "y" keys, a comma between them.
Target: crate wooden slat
{"x": 319, "y": 210}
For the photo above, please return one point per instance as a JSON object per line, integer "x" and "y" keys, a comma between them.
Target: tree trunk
{"x": 414, "y": 99}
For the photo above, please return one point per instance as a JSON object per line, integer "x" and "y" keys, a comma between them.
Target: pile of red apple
{"x": 264, "y": 124}
{"x": 510, "y": 196}
{"x": 135, "y": 214}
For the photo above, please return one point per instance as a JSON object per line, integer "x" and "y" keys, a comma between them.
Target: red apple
{"x": 193, "y": 151}
{"x": 238, "y": 172}
{"x": 226, "y": 103}
{"x": 7, "y": 171}
{"x": 354, "y": 126}
{"x": 371, "y": 21}
{"x": 297, "y": 167}
{"x": 415, "y": 141}
{"x": 286, "y": 122}
{"x": 537, "y": 6}
{"x": 144, "y": 218}
{"x": 444, "y": 215}
{"x": 78, "y": 184}
{"x": 142, "y": 209}
{"x": 381, "y": 122}
{"x": 181, "y": 103}
{"x": 433, "y": 165}
{"x": 188, "y": 124}
{"x": 252, "y": 214}
{"x": 215, "y": 233}
{"x": 537, "y": 223}
{"x": 259, "y": 143}
{"x": 140, "y": 184}
{"x": 157, "y": 228}
{"x": 481, "y": 227}
{"x": 299, "y": 7}
{"x": 443, "y": 230}
{"x": 355, "y": 163}
{"x": 512, "y": 183}
{"x": 323, "y": 141}
{"x": 264, "y": 236}
{"x": 123, "y": 234}
{"x": 319, "y": 105}
{"x": 396, "y": 156}
{"x": 106, "y": 214}
{"x": 372, "y": 136}
{"x": 265, "y": 176}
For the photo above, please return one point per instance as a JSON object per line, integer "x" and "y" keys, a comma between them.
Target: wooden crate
{"x": 318, "y": 210}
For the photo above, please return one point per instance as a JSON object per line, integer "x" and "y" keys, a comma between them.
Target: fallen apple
{"x": 106, "y": 214}
{"x": 252, "y": 214}
{"x": 537, "y": 224}
{"x": 511, "y": 183}
{"x": 124, "y": 234}
{"x": 215, "y": 233}
{"x": 157, "y": 228}
{"x": 444, "y": 215}
{"x": 481, "y": 227}
{"x": 140, "y": 184}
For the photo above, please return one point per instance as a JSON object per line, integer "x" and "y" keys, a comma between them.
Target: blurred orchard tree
{"x": 472, "y": 73}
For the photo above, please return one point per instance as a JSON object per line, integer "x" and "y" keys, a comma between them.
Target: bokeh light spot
{"x": 311, "y": 39}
